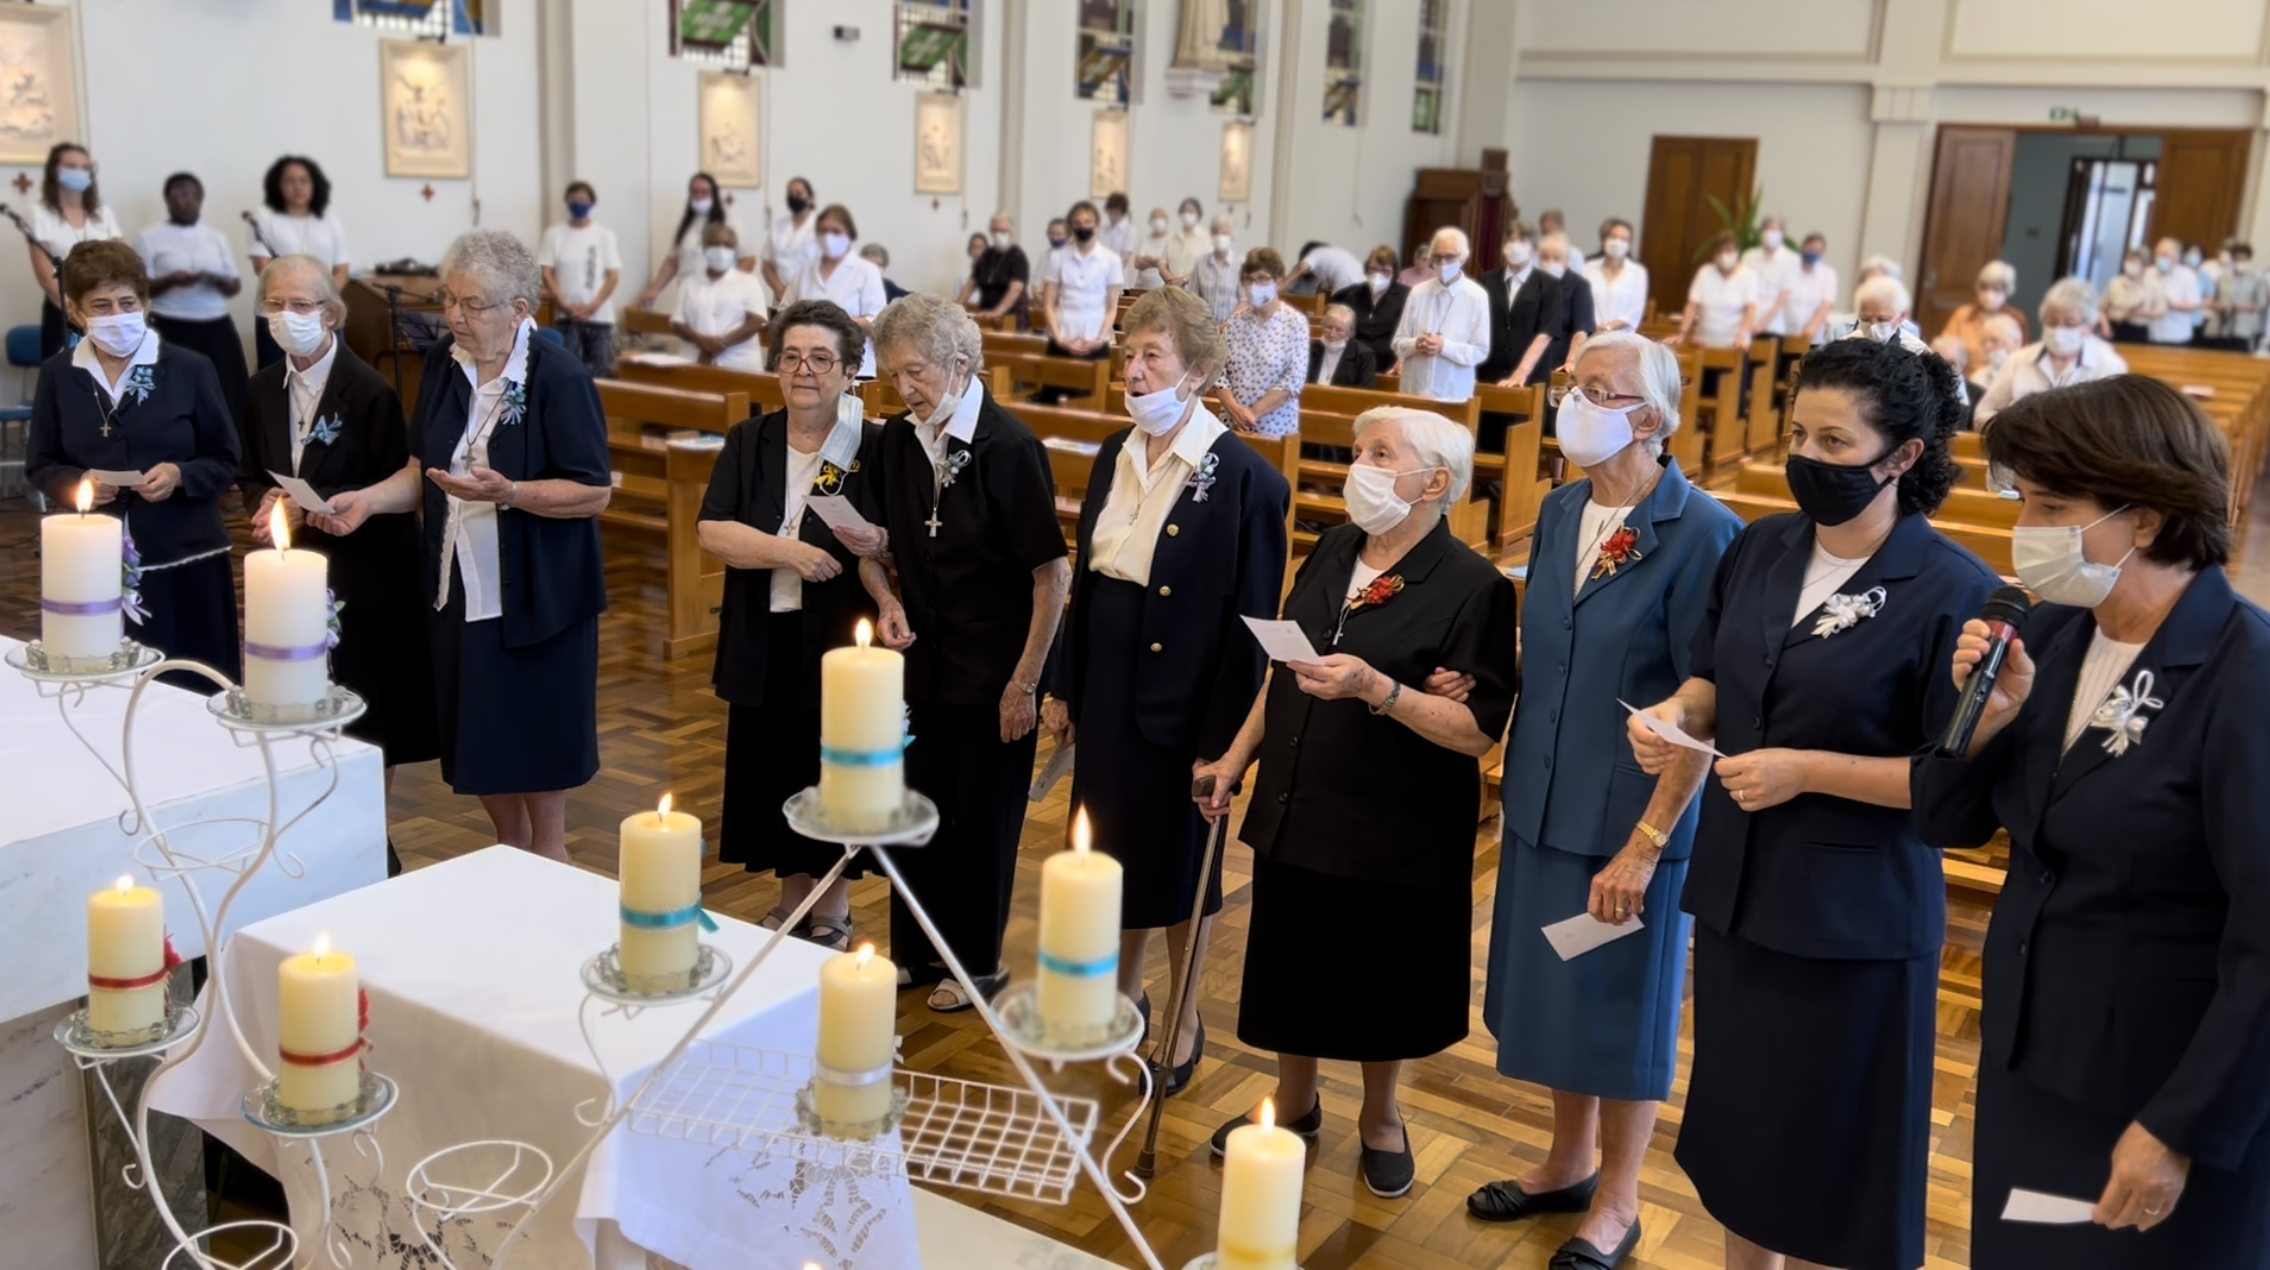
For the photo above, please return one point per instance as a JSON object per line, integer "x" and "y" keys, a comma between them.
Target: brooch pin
{"x": 140, "y": 383}
{"x": 2122, "y": 713}
{"x": 130, "y": 577}
{"x": 831, "y": 477}
{"x": 515, "y": 403}
{"x": 326, "y": 431}
{"x": 1622, "y": 548}
{"x": 1381, "y": 590}
{"x": 331, "y": 619}
{"x": 1201, "y": 482}
{"x": 955, "y": 462}
{"x": 1843, "y": 612}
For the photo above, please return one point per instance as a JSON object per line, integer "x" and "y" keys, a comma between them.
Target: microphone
{"x": 2005, "y": 615}
{"x": 249, "y": 217}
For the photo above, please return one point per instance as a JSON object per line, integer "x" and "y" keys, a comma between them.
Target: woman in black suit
{"x": 792, "y": 592}
{"x": 1819, "y": 912}
{"x": 324, "y": 415}
{"x": 1365, "y": 802}
{"x": 2125, "y": 1059}
{"x": 1578, "y": 321}
{"x": 1351, "y": 361}
{"x": 126, "y": 401}
{"x": 1377, "y": 302}
{"x": 1182, "y": 535}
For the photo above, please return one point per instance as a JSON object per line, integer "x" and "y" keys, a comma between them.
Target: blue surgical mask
{"x": 76, "y": 180}
{"x": 1810, "y": 258}
{"x": 579, "y": 209}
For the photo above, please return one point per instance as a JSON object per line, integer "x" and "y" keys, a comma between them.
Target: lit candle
{"x": 1261, "y": 1197}
{"x": 287, "y": 621}
{"x": 862, "y": 734}
{"x": 80, "y": 584}
{"x": 660, "y": 868}
{"x": 1079, "y": 938}
{"x": 858, "y": 1022}
{"x": 319, "y": 1029}
{"x": 126, "y": 943}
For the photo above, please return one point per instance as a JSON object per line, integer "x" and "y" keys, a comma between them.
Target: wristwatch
{"x": 1025, "y": 688}
{"x": 1661, "y": 839}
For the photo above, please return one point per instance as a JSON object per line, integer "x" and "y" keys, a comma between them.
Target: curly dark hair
{"x": 1905, "y": 396}
{"x": 272, "y": 185}
{"x": 850, "y": 337}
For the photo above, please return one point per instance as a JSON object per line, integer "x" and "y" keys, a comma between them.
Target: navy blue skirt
{"x": 514, "y": 720}
{"x": 192, "y": 610}
{"x": 1807, "y": 1128}
{"x": 772, "y": 751}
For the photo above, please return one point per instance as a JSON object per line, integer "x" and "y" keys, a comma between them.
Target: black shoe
{"x": 1179, "y": 1078}
{"x": 1506, "y": 1201}
{"x": 1389, "y": 1174}
{"x": 1308, "y": 1126}
{"x": 1577, "y": 1254}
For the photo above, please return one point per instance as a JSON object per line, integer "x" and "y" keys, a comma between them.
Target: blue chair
{"x": 23, "y": 352}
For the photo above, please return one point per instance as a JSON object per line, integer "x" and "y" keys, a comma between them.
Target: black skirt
{"x": 385, "y": 655}
{"x": 1808, "y": 1118}
{"x": 218, "y": 342}
{"x": 1137, "y": 794}
{"x": 771, "y": 752}
{"x": 1363, "y": 972}
{"x": 2035, "y": 1140}
{"x": 514, "y": 720}
{"x": 54, "y": 331}
{"x": 192, "y": 610}
{"x": 266, "y": 351}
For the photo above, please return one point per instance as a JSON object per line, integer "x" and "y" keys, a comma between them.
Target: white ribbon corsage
{"x": 955, "y": 462}
{"x": 1201, "y": 482}
{"x": 2122, "y": 713}
{"x": 140, "y": 383}
{"x": 1843, "y": 612}
{"x": 325, "y": 431}
{"x": 515, "y": 404}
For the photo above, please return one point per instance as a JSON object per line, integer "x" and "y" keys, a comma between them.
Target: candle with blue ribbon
{"x": 1078, "y": 984}
{"x": 862, "y": 734}
{"x": 662, "y": 915}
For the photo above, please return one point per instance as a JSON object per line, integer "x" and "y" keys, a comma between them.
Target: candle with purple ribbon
{"x": 81, "y": 582}
{"x": 287, "y": 623}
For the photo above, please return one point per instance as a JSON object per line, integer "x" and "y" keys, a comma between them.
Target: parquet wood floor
{"x": 661, "y": 729}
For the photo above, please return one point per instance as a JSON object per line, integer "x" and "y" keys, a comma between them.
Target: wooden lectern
{"x": 1477, "y": 200}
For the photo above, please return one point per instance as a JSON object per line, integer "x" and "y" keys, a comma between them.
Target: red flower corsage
{"x": 1381, "y": 590}
{"x": 1622, "y": 548}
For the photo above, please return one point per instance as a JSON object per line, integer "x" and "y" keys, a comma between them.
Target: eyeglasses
{"x": 1604, "y": 399}
{"x": 300, "y": 307}
{"x": 792, "y": 361}
{"x": 473, "y": 308}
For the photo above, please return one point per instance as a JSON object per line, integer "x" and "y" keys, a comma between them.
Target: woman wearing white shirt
{"x": 70, "y": 212}
{"x": 703, "y": 209}
{"x": 1189, "y": 244}
{"x": 1619, "y": 283}
{"x": 721, "y": 310}
{"x": 1151, "y": 253}
{"x": 192, "y": 276}
{"x": 296, "y": 222}
{"x": 854, "y": 284}
{"x": 2068, "y": 352}
{"x": 1083, "y": 290}
{"x": 794, "y": 240}
{"x": 1214, "y": 276}
{"x": 1811, "y": 295}
{"x": 1722, "y": 302}
{"x": 1773, "y": 263}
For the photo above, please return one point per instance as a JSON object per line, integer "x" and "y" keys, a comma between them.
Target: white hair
{"x": 1956, "y": 353}
{"x": 937, "y": 328}
{"x": 1997, "y": 275}
{"x": 1223, "y": 224}
{"x": 1885, "y": 288}
{"x": 1437, "y": 440}
{"x": 1340, "y": 312}
{"x": 2073, "y": 294}
{"x": 1555, "y": 241}
{"x": 501, "y": 263}
{"x": 2004, "y": 327}
{"x": 1658, "y": 369}
{"x": 1883, "y": 267}
{"x": 1456, "y": 235}
{"x": 318, "y": 276}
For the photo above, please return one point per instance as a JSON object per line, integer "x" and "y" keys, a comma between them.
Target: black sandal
{"x": 1506, "y": 1201}
{"x": 1577, "y": 1254}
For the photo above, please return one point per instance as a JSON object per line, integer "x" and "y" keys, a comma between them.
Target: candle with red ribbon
{"x": 320, "y": 1021}
{"x": 128, "y": 958}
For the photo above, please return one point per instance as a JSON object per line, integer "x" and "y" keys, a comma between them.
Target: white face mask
{"x": 2063, "y": 341}
{"x": 1772, "y": 239}
{"x": 1996, "y": 356}
{"x": 701, "y": 206}
{"x": 1332, "y": 345}
{"x": 1264, "y": 294}
{"x": 1616, "y": 248}
{"x": 1448, "y": 273}
{"x": 1159, "y": 226}
{"x": 1554, "y": 267}
{"x": 835, "y": 245}
{"x": 1883, "y": 332}
{"x": 1161, "y": 412}
{"x": 1992, "y": 300}
{"x": 1372, "y": 502}
{"x": 299, "y": 334}
{"x": 1592, "y": 434}
{"x": 946, "y": 407}
{"x": 1190, "y": 220}
{"x": 721, "y": 257}
{"x": 1002, "y": 240}
{"x": 1222, "y": 244}
{"x": 117, "y": 334}
{"x": 1517, "y": 254}
{"x": 1379, "y": 282}
{"x": 1727, "y": 260}
{"x": 2050, "y": 561}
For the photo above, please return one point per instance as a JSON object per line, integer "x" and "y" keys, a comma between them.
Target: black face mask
{"x": 797, "y": 204}
{"x": 1832, "y": 493}
{"x": 1084, "y": 232}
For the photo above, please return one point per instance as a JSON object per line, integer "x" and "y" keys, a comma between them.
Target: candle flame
{"x": 322, "y": 946}
{"x": 124, "y": 885}
{"x": 1268, "y": 1115}
{"x": 866, "y": 954}
{"x": 663, "y": 812}
{"x": 279, "y": 526}
{"x": 1080, "y": 834}
{"x": 866, "y": 633}
{"x": 86, "y": 496}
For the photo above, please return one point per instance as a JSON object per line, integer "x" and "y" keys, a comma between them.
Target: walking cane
{"x": 1162, "y": 1059}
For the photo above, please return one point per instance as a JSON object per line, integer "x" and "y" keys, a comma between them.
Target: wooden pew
{"x": 1085, "y": 379}
{"x": 636, "y": 321}
{"x": 760, "y": 387}
{"x": 1963, "y": 506}
{"x": 641, "y": 419}
{"x": 1989, "y": 544}
{"x": 1328, "y": 417}
{"x": 696, "y": 578}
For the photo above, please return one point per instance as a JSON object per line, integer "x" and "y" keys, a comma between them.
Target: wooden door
{"x": 2202, "y": 179}
{"x": 1970, "y": 207}
{"x": 1683, "y": 175}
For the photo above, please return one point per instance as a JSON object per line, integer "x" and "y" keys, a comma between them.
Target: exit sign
{"x": 2064, "y": 114}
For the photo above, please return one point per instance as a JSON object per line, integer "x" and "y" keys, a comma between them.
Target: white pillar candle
{"x": 319, "y": 1015}
{"x": 862, "y": 734}
{"x": 858, "y": 1027}
{"x": 1078, "y": 987}
{"x": 126, "y": 942}
{"x": 660, "y": 872}
{"x": 287, "y": 618}
{"x": 79, "y": 569}
{"x": 1261, "y": 1197}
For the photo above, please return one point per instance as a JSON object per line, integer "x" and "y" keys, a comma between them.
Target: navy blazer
{"x": 182, "y": 420}
{"x": 2128, "y": 964}
{"x": 1219, "y": 559}
{"x": 1820, "y": 876}
{"x": 553, "y": 575}
{"x": 1571, "y": 781}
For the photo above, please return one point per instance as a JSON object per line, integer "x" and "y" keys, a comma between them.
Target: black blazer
{"x": 1348, "y": 793}
{"x": 552, "y": 570}
{"x": 182, "y": 420}
{"x": 1220, "y": 559}
{"x": 1576, "y": 317}
{"x": 1356, "y": 368}
{"x": 1516, "y": 322}
{"x": 749, "y": 487}
{"x": 1820, "y": 876}
{"x": 1376, "y": 316}
{"x": 968, "y": 591}
{"x": 2126, "y": 964}
{"x": 378, "y": 563}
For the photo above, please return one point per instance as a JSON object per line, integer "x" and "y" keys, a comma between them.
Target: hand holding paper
{"x": 1582, "y": 933}
{"x": 1284, "y": 641}
{"x": 302, "y": 493}
{"x": 1668, "y": 731}
{"x": 837, "y": 512}
{"x": 2047, "y": 1209}
{"x": 123, "y": 480}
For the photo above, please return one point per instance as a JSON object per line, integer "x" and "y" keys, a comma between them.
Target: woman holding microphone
{"x": 2125, "y": 1061}
{"x": 1820, "y": 667}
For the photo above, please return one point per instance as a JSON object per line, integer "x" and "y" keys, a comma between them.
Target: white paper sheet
{"x": 1584, "y": 932}
{"x": 836, "y": 511}
{"x": 123, "y": 480}
{"x": 2046, "y": 1209}
{"x": 1283, "y": 641}
{"x": 302, "y": 493}
{"x": 1669, "y": 732}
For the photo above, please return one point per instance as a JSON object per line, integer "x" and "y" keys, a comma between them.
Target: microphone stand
{"x": 253, "y": 219}
{"x": 33, "y": 239}
{"x": 393, "y": 329}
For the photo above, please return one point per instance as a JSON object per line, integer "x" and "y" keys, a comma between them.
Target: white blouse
{"x": 856, "y": 285}
{"x": 273, "y": 234}
{"x": 58, "y": 236}
{"x": 1824, "y": 573}
{"x": 790, "y": 246}
{"x": 1077, "y": 286}
{"x": 2102, "y": 669}
{"x": 1622, "y": 298}
{"x": 472, "y": 531}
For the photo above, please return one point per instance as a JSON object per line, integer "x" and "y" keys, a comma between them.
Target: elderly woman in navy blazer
{"x": 2125, "y": 1060}
{"x": 1821, "y": 666}
{"x": 1619, "y": 582}
{"x": 1182, "y": 535}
